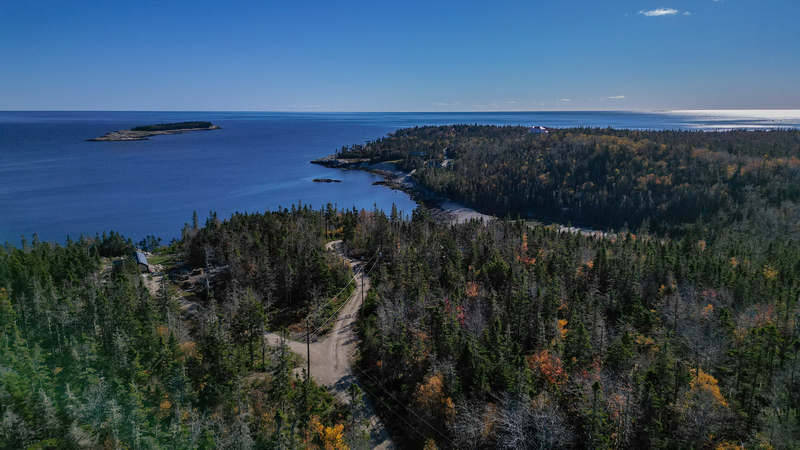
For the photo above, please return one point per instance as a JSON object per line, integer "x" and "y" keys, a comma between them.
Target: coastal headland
{"x": 143, "y": 133}
{"x": 440, "y": 208}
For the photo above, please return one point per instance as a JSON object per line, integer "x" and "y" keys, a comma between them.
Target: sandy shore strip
{"x": 459, "y": 213}
{"x": 440, "y": 208}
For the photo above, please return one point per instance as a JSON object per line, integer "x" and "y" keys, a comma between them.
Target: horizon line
{"x": 396, "y": 112}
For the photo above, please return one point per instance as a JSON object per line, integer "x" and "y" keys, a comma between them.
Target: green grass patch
{"x": 159, "y": 259}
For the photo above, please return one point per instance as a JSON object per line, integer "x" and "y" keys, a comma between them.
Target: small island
{"x": 143, "y": 133}
{"x": 325, "y": 180}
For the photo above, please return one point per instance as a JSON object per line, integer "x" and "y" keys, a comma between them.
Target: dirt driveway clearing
{"x": 332, "y": 357}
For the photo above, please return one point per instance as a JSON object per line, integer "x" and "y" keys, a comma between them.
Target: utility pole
{"x": 308, "y": 349}
{"x": 363, "y": 280}
{"x": 362, "y": 291}
{"x": 308, "y": 373}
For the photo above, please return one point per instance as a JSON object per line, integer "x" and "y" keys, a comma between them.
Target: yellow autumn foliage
{"x": 430, "y": 395}
{"x": 703, "y": 393}
{"x": 472, "y": 289}
{"x": 728, "y": 445}
{"x": 165, "y": 405}
{"x": 164, "y": 409}
{"x": 707, "y": 312}
{"x": 702, "y": 408}
{"x": 730, "y": 171}
{"x": 332, "y": 437}
{"x": 706, "y": 382}
{"x": 189, "y": 349}
{"x": 430, "y": 444}
{"x": 562, "y": 327}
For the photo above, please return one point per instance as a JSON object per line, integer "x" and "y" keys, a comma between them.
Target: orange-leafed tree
{"x": 702, "y": 409}
{"x": 433, "y": 403}
{"x": 332, "y": 438}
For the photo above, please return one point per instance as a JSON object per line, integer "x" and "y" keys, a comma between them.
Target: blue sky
{"x": 399, "y": 56}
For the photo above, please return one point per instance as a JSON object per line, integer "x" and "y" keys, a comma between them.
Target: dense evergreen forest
{"x": 601, "y": 177}
{"x": 90, "y": 359}
{"x": 505, "y": 336}
{"x": 684, "y": 333}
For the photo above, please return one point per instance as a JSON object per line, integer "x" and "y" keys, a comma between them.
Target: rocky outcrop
{"x": 130, "y": 135}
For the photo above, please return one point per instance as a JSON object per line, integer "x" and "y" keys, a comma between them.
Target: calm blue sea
{"x": 55, "y": 184}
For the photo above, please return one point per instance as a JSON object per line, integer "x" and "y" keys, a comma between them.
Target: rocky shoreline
{"x": 439, "y": 207}
{"x": 130, "y": 135}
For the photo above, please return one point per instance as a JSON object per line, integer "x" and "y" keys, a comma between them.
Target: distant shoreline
{"x": 137, "y": 135}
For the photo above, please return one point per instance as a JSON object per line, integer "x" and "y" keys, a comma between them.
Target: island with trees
{"x": 678, "y": 327}
{"x": 143, "y": 133}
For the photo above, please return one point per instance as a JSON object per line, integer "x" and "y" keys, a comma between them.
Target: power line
{"x": 345, "y": 286}
{"x": 411, "y": 410}
{"x": 336, "y": 313}
{"x": 337, "y": 294}
{"x": 340, "y": 308}
{"x": 381, "y": 386}
{"x": 408, "y": 408}
{"x": 398, "y": 401}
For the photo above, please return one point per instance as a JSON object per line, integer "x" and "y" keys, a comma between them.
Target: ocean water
{"x": 55, "y": 184}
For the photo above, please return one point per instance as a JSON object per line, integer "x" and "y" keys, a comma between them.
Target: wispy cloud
{"x": 512, "y": 101}
{"x": 617, "y": 96}
{"x": 687, "y": 13}
{"x": 439, "y": 104}
{"x": 566, "y": 100}
{"x": 659, "y": 12}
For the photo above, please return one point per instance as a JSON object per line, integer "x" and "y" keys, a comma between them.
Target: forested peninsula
{"x": 142, "y": 133}
{"x": 677, "y": 328}
{"x": 606, "y": 178}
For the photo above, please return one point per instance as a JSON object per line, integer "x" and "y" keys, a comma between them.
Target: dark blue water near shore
{"x": 55, "y": 184}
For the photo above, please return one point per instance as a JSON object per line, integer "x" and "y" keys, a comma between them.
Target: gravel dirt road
{"x": 332, "y": 357}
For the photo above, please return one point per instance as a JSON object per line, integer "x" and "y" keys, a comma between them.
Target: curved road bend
{"x": 331, "y": 358}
